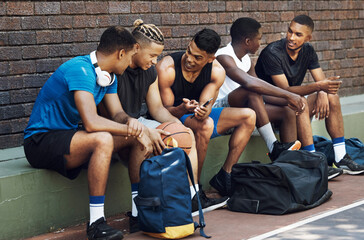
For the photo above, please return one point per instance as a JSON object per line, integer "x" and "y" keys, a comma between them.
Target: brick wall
{"x": 37, "y": 36}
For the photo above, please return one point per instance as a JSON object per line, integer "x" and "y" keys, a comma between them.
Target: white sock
{"x": 96, "y": 212}
{"x": 134, "y": 210}
{"x": 267, "y": 134}
{"x": 193, "y": 193}
{"x": 340, "y": 151}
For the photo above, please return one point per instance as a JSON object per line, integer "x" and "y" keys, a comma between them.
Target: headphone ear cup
{"x": 103, "y": 78}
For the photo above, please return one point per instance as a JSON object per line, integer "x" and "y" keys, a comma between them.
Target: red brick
{"x": 322, "y": 5}
{"x": 281, "y": 6}
{"x": 259, "y": 16}
{"x": 233, "y": 6}
{"x": 199, "y": 6}
{"x": 272, "y": 17}
{"x": 226, "y": 17}
{"x": 217, "y": 6}
{"x": 190, "y": 18}
{"x": 338, "y": 54}
{"x": 22, "y": 67}
{"x": 154, "y": 18}
{"x": 161, "y": 7}
{"x": 78, "y": 35}
{"x": 358, "y": 43}
{"x": 44, "y": 37}
{"x": 34, "y": 22}
{"x": 172, "y": 43}
{"x": 287, "y": 16}
{"x": 73, "y": 7}
{"x": 4, "y": 71}
{"x": 141, "y": 7}
{"x": 181, "y": 31}
{"x": 180, "y": 6}
{"x": 61, "y": 50}
{"x": 107, "y": 20}
{"x": 84, "y": 21}
{"x": 31, "y": 52}
{"x": 167, "y": 31}
{"x": 47, "y": 8}
{"x": 10, "y": 23}
{"x": 2, "y": 8}
{"x": 97, "y": 7}
{"x": 16, "y": 8}
{"x": 208, "y": 18}
{"x": 119, "y": 7}
{"x": 60, "y": 22}
{"x": 171, "y": 19}
{"x": 294, "y": 5}
{"x": 308, "y": 5}
{"x": 93, "y": 35}
{"x": 47, "y": 65}
{"x": 10, "y": 53}
{"x": 22, "y": 38}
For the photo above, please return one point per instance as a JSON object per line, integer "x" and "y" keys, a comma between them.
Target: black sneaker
{"x": 279, "y": 147}
{"x": 334, "y": 172}
{"x": 133, "y": 223}
{"x": 349, "y": 166}
{"x": 100, "y": 230}
{"x": 222, "y": 183}
{"x": 207, "y": 204}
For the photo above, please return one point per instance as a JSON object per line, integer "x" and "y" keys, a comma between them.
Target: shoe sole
{"x": 211, "y": 208}
{"x": 334, "y": 175}
{"x": 350, "y": 172}
{"x": 295, "y": 146}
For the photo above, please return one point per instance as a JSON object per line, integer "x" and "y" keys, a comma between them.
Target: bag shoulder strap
{"x": 201, "y": 224}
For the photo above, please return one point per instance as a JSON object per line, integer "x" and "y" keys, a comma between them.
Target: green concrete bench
{"x": 34, "y": 201}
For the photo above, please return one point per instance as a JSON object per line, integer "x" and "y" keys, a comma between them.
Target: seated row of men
{"x": 108, "y": 91}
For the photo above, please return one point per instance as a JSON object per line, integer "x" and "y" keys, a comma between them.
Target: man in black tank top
{"x": 189, "y": 83}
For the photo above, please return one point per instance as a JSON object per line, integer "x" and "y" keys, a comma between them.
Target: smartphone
{"x": 207, "y": 102}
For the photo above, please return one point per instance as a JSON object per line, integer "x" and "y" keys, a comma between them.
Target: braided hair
{"x": 145, "y": 33}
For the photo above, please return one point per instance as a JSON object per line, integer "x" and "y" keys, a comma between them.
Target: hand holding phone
{"x": 204, "y": 105}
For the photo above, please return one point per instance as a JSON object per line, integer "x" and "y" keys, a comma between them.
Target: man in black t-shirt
{"x": 284, "y": 63}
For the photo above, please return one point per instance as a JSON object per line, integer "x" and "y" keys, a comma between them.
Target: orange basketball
{"x": 179, "y": 136}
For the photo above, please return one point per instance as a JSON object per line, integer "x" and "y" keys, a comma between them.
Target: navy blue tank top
{"x": 181, "y": 88}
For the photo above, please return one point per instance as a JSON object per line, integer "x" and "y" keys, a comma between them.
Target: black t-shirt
{"x": 133, "y": 86}
{"x": 181, "y": 88}
{"x": 274, "y": 60}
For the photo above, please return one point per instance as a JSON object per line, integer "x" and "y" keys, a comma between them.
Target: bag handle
{"x": 201, "y": 224}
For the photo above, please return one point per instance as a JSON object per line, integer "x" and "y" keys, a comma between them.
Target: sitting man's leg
{"x": 240, "y": 97}
{"x": 243, "y": 122}
{"x": 335, "y": 127}
{"x": 293, "y": 126}
{"x": 67, "y": 151}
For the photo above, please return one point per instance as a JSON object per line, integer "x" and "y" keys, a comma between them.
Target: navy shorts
{"x": 46, "y": 150}
{"x": 214, "y": 114}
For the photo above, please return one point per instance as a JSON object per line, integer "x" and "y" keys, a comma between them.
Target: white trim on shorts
{"x": 149, "y": 123}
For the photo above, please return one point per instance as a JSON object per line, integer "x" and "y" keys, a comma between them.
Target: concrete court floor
{"x": 342, "y": 217}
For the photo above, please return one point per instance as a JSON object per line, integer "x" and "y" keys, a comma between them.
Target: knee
{"x": 334, "y": 101}
{"x": 248, "y": 117}
{"x": 205, "y": 127}
{"x": 103, "y": 140}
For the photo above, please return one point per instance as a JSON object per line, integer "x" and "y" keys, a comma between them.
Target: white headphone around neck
{"x": 104, "y": 78}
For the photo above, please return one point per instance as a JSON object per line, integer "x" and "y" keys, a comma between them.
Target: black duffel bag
{"x": 295, "y": 181}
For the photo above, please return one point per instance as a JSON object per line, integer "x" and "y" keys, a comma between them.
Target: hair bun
{"x": 138, "y": 23}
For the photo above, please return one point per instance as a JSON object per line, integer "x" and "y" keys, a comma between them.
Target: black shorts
{"x": 47, "y": 150}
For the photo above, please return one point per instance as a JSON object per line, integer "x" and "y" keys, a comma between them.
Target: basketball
{"x": 179, "y": 136}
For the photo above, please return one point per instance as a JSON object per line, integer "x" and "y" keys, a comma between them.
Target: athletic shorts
{"x": 222, "y": 102}
{"x": 215, "y": 115}
{"x": 46, "y": 150}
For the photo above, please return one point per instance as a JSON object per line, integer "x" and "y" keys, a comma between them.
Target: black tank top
{"x": 181, "y": 88}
